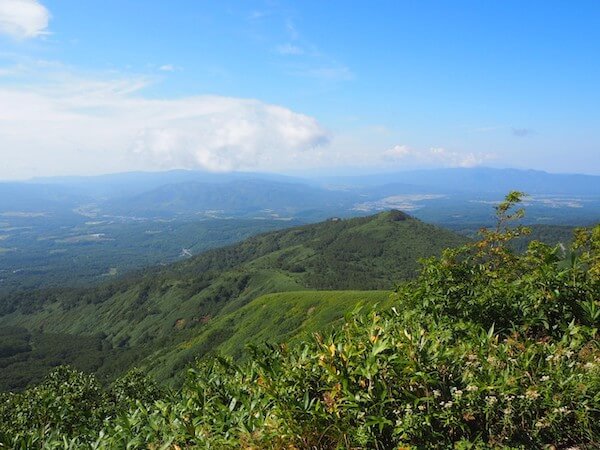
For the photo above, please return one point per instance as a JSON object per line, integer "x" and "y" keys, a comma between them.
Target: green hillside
{"x": 286, "y": 317}
{"x": 165, "y": 306}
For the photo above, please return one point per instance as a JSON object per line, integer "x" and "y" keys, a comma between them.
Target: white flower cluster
{"x": 491, "y": 400}
{"x": 455, "y": 392}
{"x": 561, "y": 410}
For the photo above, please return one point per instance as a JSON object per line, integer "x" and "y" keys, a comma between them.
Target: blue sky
{"x": 93, "y": 87}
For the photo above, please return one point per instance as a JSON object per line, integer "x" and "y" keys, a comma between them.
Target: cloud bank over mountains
{"x": 435, "y": 156}
{"x": 106, "y": 125}
{"x": 61, "y": 122}
{"x": 221, "y": 133}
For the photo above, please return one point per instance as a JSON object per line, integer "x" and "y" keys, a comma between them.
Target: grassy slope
{"x": 276, "y": 318}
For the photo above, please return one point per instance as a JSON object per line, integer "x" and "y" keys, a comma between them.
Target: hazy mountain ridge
{"x": 135, "y": 185}
{"x": 480, "y": 179}
{"x": 237, "y": 197}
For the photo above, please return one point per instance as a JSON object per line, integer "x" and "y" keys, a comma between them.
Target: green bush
{"x": 488, "y": 284}
{"x": 69, "y": 404}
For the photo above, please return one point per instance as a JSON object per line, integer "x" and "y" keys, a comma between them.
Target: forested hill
{"x": 137, "y": 316}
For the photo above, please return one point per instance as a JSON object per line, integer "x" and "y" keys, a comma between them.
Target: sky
{"x": 91, "y": 87}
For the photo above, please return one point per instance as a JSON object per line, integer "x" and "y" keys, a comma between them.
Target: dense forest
{"x": 47, "y": 251}
{"x": 486, "y": 348}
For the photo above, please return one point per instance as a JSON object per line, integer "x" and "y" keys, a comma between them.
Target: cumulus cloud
{"x": 435, "y": 156}
{"x": 221, "y": 134}
{"x": 96, "y": 126}
{"x": 23, "y": 19}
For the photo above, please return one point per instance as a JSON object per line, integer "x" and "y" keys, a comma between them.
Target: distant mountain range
{"x": 236, "y": 197}
{"x": 429, "y": 194}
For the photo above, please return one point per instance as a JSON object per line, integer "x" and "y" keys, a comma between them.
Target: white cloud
{"x": 397, "y": 152}
{"x": 23, "y": 18}
{"x": 437, "y": 156}
{"x": 93, "y": 126}
{"x": 167, "y": 68}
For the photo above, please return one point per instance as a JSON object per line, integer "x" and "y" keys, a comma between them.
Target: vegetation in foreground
{"x": 486, "y": 349}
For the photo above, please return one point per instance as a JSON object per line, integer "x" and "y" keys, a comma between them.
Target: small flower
{"x": 472, "y": 388}
{"x": 422, "y": 407}
{"x": 532, "y": 394}
{"x": 545, "y": 378}
{"x": 457, "y": 393}
{"x": 491, "y": 399}
{"x": 448, "y": 405}
{"x": 436, "y": 393}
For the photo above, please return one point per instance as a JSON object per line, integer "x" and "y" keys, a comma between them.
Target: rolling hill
{"x": 166, "y": 306}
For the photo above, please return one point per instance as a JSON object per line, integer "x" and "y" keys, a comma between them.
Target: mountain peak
{"x": 395, "y": 215}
